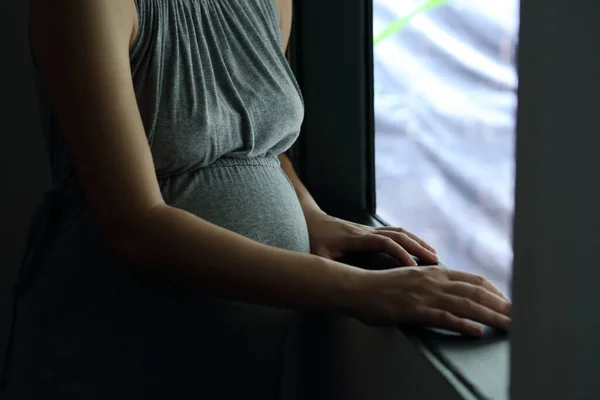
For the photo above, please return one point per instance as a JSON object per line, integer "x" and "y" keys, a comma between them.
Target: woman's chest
{"x": 213, "y": 79}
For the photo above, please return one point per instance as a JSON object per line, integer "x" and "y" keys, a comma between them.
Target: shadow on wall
{"x": 23, "y": 163}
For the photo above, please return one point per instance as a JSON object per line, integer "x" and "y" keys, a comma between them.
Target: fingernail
{"x": 479, "y": 331}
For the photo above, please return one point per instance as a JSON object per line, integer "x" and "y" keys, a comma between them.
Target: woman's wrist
{"x": 348, "y": 287}
{"x": 310, "y": 208}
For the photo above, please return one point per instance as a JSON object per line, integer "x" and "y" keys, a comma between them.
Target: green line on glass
{"x": 397, "y": 25}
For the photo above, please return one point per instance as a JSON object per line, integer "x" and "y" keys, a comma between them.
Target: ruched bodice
{"x": 212, "y": 81}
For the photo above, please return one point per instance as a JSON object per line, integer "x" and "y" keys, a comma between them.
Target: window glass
{"x": 445, "y": 106}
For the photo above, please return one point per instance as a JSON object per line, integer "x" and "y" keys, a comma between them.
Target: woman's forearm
{"x": 224, "y": 263}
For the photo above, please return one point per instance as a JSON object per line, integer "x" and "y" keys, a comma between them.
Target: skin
{"x": 93, "y": 97}
{"x": 285, "y": 8}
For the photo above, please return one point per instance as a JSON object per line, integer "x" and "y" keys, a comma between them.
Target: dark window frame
{"x": 338, "y": 130}
{"x": 331, "y": 53}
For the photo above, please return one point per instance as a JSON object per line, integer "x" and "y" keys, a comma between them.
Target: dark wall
{"x": 23, "y": 169}
{"x": 554, "y": 345}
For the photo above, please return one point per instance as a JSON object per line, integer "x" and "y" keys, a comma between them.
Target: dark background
{"x": 23, "y": 166}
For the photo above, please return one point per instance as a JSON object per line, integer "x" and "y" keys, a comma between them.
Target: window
{"x": 556, "y": 209}
{"x": 445, "y": 106}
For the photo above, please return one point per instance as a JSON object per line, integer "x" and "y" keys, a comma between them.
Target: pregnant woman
{"x": 177, "y": 243}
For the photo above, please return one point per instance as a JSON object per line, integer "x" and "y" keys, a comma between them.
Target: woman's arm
{"x": 82, "y": 50}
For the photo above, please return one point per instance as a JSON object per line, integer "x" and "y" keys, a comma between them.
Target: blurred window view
{"x": 445, "y": 102}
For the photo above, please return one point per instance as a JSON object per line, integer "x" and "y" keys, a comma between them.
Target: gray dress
{"x": 219, "y": 103}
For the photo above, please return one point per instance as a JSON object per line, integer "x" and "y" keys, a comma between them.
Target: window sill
{"x": 479, "y": 365}
{"x": 477, "y": 368}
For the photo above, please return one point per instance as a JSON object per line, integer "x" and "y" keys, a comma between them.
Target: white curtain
{"x": 445, "y": 108}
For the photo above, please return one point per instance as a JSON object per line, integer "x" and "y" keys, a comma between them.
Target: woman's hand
{"x": 430, "y": 296}
{"x": 426, "y": 296}
{"x": 332, "y": 238}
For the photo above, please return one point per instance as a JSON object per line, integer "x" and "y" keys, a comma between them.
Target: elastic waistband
{"x": 225, "y": 162}
{"x": 254, "y": 161}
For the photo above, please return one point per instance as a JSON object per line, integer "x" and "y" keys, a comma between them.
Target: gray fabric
{"x": 219, "y": 103}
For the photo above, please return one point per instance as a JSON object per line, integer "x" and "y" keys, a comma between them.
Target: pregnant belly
{"x": 252, "y": 197}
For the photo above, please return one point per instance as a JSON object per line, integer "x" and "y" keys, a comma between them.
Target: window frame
{"x": 338, "y": 129}
{"x": 331, "y": 53}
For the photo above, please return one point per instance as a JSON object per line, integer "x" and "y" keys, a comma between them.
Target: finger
{"x": 372, "y": 242}
{"x": 475, "y": 280}
{"x": 479, "y": 295}
{"x": 410, "y": 235}
{"x": 443, "y": 319}
{"x": 410, "y": 245}
{"x": 466, "y": 308}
